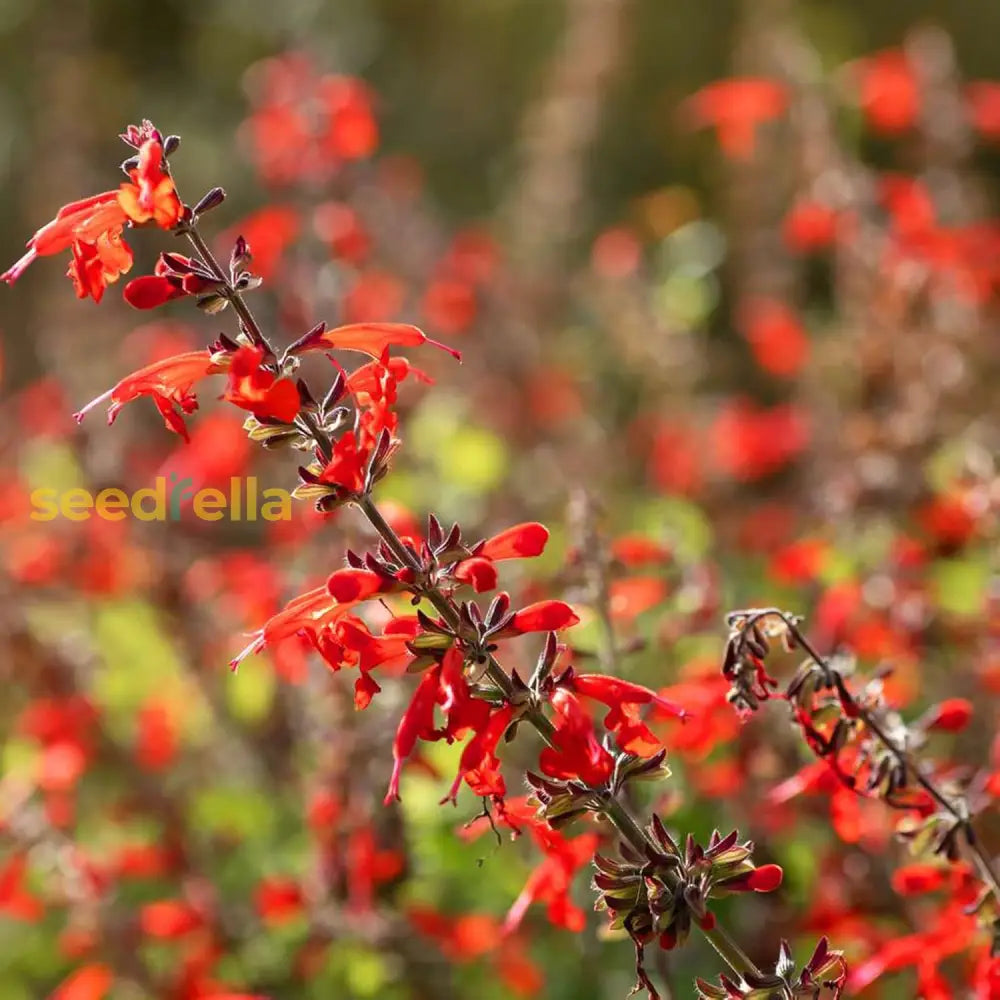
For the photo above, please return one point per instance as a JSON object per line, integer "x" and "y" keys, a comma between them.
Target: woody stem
{"x": 617, "y": 814}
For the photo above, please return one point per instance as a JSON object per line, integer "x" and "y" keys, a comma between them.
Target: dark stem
{"x": 958, "y": 812}
{"x": 615, "y": 812}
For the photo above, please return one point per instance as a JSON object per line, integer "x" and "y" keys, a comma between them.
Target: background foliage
{"x": 540, "y": 198}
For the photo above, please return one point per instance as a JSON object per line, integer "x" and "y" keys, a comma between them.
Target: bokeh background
{"x": 768, "y": 345}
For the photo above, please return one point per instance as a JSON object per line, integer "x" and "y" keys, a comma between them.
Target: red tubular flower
{"x": 254, "y": 388}
{"x": 94, "y": 266}
{"x": 306, "y": 614}
{"x": 551, "y": 881}
{"x": 349, "y": 585}
{"x": 623, "y": 698}
{"x": 389, "y": 650}
{"x": 152, "y": 290}
{"x": 167, "y": 382}
{"x": 173, "y": 277}
{"x": 151, "y": 196}
{"x": 522, "y": 541}
{"x": 478, "y": 573}
{"x": 576, "y": 754}
{"x": 766, "y": 878}
{"x": 92, "y": 229}
{"x": 367, "y": 338}
{"x": 368, "y": 383}
{"x": 614, "y": 691}
{"x": 735, "y": 108}
{"x": 951, "y": 716}
{"x": 543, "y": 616}
{"x": 479, "y": 765}
{"x": 417, "y": 722}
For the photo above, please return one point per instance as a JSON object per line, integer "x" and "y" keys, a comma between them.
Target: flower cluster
{"x": 455, "y": 645}
{"x": 865, "y": 749}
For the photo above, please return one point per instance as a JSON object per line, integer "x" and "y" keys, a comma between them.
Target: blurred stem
{"x": 958, "y": 810}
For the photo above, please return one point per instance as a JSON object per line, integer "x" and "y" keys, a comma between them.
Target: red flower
{"x": 351, "y": 130}
{"x": 449, "y": 305}
{"x": 766, "y": 878}
{"x": 92, "y": 982}
{"x": 634, "y": 595}
{"x": 342, "y": 228}
{"x": 751, "y": 442}
{"x": 543, "y": 616}
{"x": 809, "y": 226}
{"x": 306, "y": 614}
{"x": 551, "y": 881}
{"x": 169, "y": 384}
{"x": 368, "y": 866}
{"x": 479, "y": 765}
{"x": 575, "y": 754}
{"x": 92, "y": 228}
{"x": 417, "y": 722}
{"x": 478, "y": 573}
{"x": 15, "y": 901}
{"x": 623, "y": 699}
{"x": 367, "y": 338}
{"x": 151, "y": 196}
{"x": 377, "y": 380}
{"x": 522, "y": 541}
{"x": 169, "y": 919}
{"x": 157, "y": 742}
{"x": 349, "y": 465}
{"x": 983, "y": 98}
{"x": 278, "y": 900}
{"x": 918, "y": 878}
{"x": 637, "y": 550}
{"x": 389, "y": 650}
{"x": 445, "y": 685}
{"x": 94, "y": 266}
{"x": 173, "y": 277}
{"x": 951, "y": 716}
{"x": 887, "y": 91}
{"x": 735, "y": 108}
{"x": 776, "y": 336}
{"x": 255, "y": 388}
